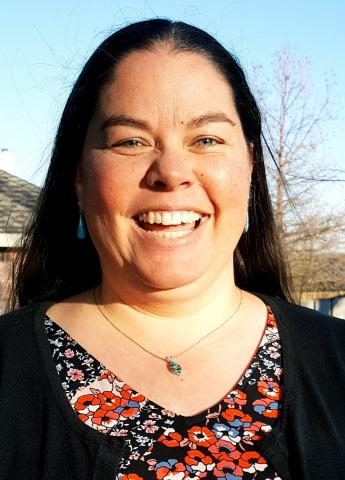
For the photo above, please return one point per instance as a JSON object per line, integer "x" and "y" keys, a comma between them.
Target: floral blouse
{"x": 159, "y": 444}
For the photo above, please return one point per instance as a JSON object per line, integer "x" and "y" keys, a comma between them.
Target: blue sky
{"x": 44, "y": 44}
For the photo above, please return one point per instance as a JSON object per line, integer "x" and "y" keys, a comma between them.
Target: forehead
{"x": 162, "y": 80}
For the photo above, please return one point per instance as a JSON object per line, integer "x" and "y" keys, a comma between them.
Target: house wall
{"x": 6, "y": 257}
{"x": 331, "y": 306}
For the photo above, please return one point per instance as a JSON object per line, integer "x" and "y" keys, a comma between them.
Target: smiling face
{"x": 165, "y": 172}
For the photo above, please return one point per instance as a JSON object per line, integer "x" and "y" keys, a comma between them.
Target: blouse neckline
{"x": 97, "y": 437}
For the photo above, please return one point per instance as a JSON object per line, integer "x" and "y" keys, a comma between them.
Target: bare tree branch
{"x": 294, "y": 123}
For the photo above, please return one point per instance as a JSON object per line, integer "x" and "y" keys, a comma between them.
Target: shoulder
{"x": 302, "y": 324}
{"x": 19, "y": 323}
{"x": 22, "y": 314}
{"x": 299, "y": 314}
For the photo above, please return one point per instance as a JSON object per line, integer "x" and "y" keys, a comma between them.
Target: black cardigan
{"x": 42, "y": 438}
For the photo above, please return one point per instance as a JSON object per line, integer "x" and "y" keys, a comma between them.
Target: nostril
{"x": 162, "y": 186}
{"x": 159, "y": 185}
{"x": 163, "y": 176}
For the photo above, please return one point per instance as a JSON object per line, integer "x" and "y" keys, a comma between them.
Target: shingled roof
{"x": 17, "y": 199}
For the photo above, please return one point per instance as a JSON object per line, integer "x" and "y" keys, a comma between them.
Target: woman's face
{"x": 165, "y": 172}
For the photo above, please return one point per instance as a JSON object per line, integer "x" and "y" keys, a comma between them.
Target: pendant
{"x": 173, "y": 366}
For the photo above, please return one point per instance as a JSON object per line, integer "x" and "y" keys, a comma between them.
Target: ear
{"x": 78, "y": 186}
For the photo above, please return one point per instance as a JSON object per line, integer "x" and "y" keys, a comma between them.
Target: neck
{"x": 197, "y": 308}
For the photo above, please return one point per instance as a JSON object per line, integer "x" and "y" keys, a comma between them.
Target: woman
{"x": 140, "y": 351}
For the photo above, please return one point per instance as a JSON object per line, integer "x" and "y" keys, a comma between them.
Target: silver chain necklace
{"x": 171, "y": 364}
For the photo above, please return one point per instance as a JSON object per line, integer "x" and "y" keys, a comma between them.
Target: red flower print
{"x": 223, "y": 468}
{"x": 201, "y": 436}
{"x": 222, "y": 450}
{"x": 108, "y": 400}
{"x": 111, "y": 402}
{"x": 137, "y": 397}
{"x": 256, "y": 431}
{"x": 131, "y": 476}
{"x": 125, "y": 393}
{"x": 87, "y": 403}
{"x": 252, "y": 462}
{"x": 69, "y": 353}
{"x": 233, "y": 414}
{"x": 271, "y": 321}
{"x": 270, "y": 390}
{"x": 236, "y": 397}
{"x": 128, "y": 394}
{"x": 267, "y": 407}
{"x": 75, "y": 374}
{"x": 105, "y": 418}
{"x": 170, "y": 470}
{"x": 107, "y": 375}
{"x": 83, "y": 417}
{"x": 129, "y": 412}
{"x": 171, "y": 438}
{"x": 199, "y": 462}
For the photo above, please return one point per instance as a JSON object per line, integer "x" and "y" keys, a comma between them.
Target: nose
{"x": 170, "y": 171}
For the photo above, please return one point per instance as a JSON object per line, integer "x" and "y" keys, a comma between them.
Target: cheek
{"x": 229, "y": 184}
{"x": 106, "y": 187}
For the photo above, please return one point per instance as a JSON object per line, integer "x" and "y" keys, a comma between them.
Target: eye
{"x": 208, "y": 141}
{"x": 130, "y": 143}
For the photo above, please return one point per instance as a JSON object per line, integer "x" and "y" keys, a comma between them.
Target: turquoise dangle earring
{"x": 246, "y": 228}
{"x": 81, "y": 233}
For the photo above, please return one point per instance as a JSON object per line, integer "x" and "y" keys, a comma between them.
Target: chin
{"x": 169, "y": 279}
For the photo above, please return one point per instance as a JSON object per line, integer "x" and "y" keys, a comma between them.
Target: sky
{"x": 43, "y": 46}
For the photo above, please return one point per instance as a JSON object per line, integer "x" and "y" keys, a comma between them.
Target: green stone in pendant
{"x": 173, "y": 366}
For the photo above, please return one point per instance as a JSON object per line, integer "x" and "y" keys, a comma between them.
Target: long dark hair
{"x": 52, "y": 263}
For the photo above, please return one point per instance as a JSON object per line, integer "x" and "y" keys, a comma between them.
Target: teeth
{"x": 158, "y": 218}
{"x": 171, "y": 234}
{"x": 166, "y": 218}
{"x": 151, "y": 217}
{"x": 176, "y": 218}
{"x": 185, "y": 217}
{"x": 170, "y": 218}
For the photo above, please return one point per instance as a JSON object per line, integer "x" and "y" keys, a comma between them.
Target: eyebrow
{"x": 126, "y": 121}
{"x": 210, "y": 117}
{"x": 196, "y": 122}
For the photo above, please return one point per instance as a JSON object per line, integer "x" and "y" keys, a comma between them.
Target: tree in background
{"x": 294, "y": 125}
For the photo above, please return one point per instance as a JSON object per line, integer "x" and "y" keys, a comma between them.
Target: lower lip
{"x": 192, "y": 236}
